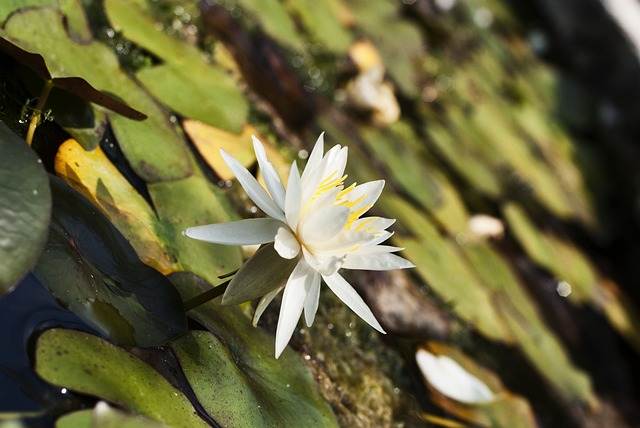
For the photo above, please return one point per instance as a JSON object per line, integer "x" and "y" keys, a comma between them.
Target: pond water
{"x": 24, "y": 313}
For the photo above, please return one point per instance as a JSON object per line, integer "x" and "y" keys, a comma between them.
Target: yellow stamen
{"x": 364, "y": 223}
{"x": 355, "y": 215}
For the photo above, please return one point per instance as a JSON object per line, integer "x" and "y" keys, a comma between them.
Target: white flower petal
{"x": 322, "y": 225}
{"x": 448, "y": 377}
{"x": 369, "y": 192}
{"x": 293, "y": 199}
{"x": 286, "y": 243}
{"x": 313, "y": 298}
{"x": 348, "y": 295}
{"x": 250, "y": 185}
{"x": 242, "y": 232}
{"x": 346, "y": 241}
{"x": 325, "y": 264}
{"x": 295, "y": 293}
{"x": 264, "y": 302}
{"x": 380, "y": 239}
{"x": 377, "y": 249}
{"x": 373, "y": 261}
{"x": 271, "y": 177}
{"x": 372, "y": 224}
{"x": 315, "y": 158}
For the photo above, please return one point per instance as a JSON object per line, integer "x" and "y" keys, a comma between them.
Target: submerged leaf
{"x": 25, "y": 207}
{"x": 90, "y": 267}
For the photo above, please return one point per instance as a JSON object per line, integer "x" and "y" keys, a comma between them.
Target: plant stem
{"x": 35, "y": 118}
{"x": 206, "y": 296}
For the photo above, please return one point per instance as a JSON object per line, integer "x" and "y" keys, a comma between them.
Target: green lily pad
{"x": 322, "y": 22}
{"x": 43, "y": 31}
{"x": 538, "y": 342}
{"x": 185, "y": 83}
{"x": 104, "y": 416}
{"x": 233, "y": 372}
{"x": 192, "y": 202}
{"x": 89, "y": 365}
{"x": 25, "y": 208}
{"x": 90, "y": 267}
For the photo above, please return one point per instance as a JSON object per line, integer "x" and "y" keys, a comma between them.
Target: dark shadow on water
{"x": 24, "y": 313}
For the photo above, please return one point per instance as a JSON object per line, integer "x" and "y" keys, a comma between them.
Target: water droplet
{"x": 483, "y": 17}
{"x": 63, "y": 391}
{"x": 297, "y": 61}
{"x": 563, "y": 288}
{"x": 462, "y": 238}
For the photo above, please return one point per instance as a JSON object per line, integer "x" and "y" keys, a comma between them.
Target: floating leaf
{"x": 92, "y": 174}
{"x": 323, "y": 24}
{"x": 153, "y": 147}
{"x": 104, "y": 416}
{"x": 209, "y": 140}
{"x": 191, "y": 202}
{"x": 95, "y": 272}
{"x": 25, "y": 207}
{"x": 185, "y": 83}
{"x": 233, "y": 373}
{"x": 89, "y": 365}
{"x": 75, "y": 85}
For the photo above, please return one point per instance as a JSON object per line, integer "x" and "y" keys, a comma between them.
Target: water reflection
{"x": 26, "y": 311}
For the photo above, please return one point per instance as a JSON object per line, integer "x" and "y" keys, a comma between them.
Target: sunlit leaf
{"x": 192, "y": 202}
{"x": 90, "y": 267}
{"x": 185, "y": 83}
{"x": 75, "y": 85}
{"x": 25, "y": 207}
{"x": 93, "y": 175}
{"x": 233, "y": 372}
{"x": 89, "y": 365}
{"x": 105, "y": 416}
{"x": 71, "y": 63}
{"x": 209, "y": 140}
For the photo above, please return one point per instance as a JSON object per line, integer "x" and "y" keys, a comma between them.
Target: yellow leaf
{"x": 93, "y": 175}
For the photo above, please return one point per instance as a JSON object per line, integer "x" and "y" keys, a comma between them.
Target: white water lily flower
{"x": 316, "y": 228}
{"x": 453, "y": 381}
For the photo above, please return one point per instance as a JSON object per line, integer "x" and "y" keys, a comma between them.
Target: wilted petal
{"x": 264, "y": 302}
{"x": 286, "y": 243}
{"x": 313, "y": 298}
{"x": 250, "y": 185}
{"x": 448, "y": 377}
{"x": 348, "y": 295}
{"x": 376, "y": 261}
{"x": 295, "y": 293}
{"x": 271, "y": 177}
{"x": 242, "y": 232}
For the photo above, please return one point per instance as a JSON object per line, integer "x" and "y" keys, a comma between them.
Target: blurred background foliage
{"x": 509, "y": 157}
